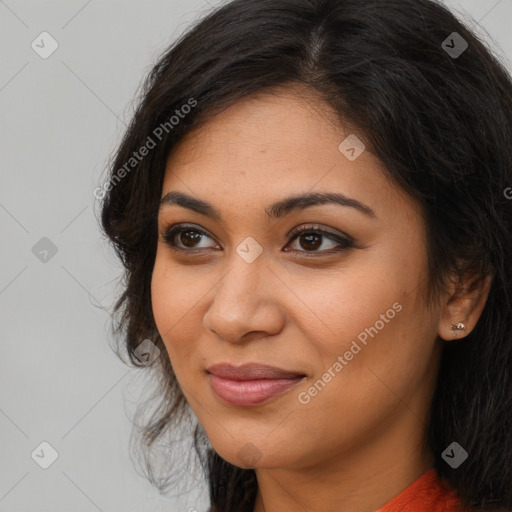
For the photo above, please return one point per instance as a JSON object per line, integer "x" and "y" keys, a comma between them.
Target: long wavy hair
{"x": 442, "y": 125}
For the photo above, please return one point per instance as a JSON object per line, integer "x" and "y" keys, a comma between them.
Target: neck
{"x": 362, "y": 481}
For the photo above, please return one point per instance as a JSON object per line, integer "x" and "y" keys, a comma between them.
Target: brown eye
{"x": 181, "y": 238}
{"x": 310, "y": 239}
{"x": 189, "y": 238}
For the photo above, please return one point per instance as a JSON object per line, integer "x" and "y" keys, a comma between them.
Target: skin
{"x": 356, "y": 443}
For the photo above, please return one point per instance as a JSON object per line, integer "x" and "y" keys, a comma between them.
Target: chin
{"x": 258, "y": 453}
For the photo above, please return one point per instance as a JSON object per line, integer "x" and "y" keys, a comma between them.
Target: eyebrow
{"x": 276, "y": 210}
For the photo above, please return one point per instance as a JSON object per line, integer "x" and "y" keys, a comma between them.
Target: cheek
{"x": 375, "y": 354}
{"x": 363, "y": 386}
{"x": 373, "y": 317}
{"x": 352, "y": 304}
{"x": 174, "y": 298}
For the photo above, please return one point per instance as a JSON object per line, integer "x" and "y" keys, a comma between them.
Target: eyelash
{"x": 345, "y": 242}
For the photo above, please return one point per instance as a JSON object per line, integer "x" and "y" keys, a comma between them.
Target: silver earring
{"x": 458, "y": 327}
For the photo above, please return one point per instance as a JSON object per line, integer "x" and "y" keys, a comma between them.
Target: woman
{"x": 312, "y": 205}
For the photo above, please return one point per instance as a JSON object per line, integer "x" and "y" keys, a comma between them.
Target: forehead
{"x": 274, "y": 145}
{"x": 264, "y": 125}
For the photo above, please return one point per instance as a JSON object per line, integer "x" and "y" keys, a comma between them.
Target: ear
{"x": 463, "y": 304}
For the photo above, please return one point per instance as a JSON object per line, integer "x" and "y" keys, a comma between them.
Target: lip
{"x": 251, "y": 371}
{"x": 250, "y": 384}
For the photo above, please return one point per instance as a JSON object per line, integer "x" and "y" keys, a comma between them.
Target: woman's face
{"x": 340, "y": 312}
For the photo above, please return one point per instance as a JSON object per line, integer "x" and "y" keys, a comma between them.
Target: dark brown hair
{"x": 442, "y": 126}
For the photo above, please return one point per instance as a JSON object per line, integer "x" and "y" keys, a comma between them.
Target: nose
{"x": 246, "y": 303}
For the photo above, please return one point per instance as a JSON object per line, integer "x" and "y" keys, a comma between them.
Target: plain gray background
{"x": 61, "y": 118}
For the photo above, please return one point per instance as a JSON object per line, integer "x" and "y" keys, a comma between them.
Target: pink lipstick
{"x": 250, "y": 384}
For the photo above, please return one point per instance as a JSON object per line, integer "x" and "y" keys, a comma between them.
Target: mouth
{"x": 250, "y": 384}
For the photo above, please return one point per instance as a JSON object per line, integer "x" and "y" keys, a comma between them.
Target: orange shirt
{"x": 426, "y": 494}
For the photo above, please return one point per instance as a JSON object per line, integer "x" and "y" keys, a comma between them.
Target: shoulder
{"x": 426, "y": 494}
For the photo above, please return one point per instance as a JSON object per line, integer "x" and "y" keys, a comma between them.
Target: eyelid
{"x": 184, "y": 226}
{"x": 315, "y": 227}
